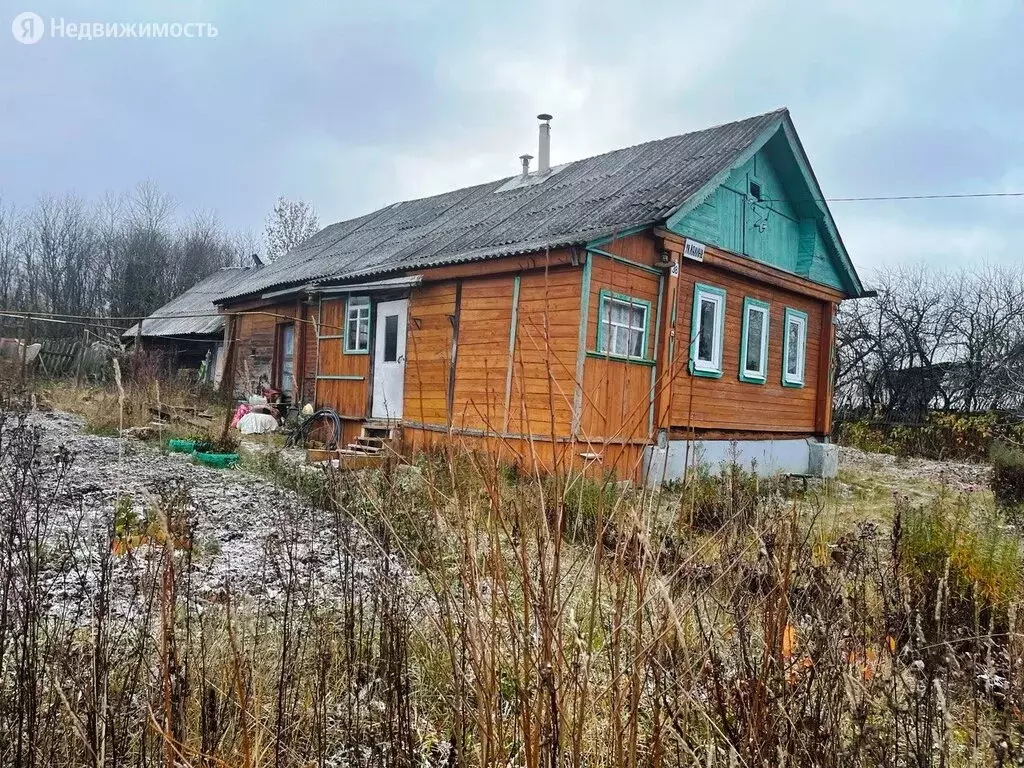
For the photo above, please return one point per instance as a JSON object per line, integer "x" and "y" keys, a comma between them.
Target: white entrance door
{"x": 389, "y": 359}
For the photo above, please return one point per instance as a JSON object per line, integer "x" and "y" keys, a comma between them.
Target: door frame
{"x": 375, "y": 327}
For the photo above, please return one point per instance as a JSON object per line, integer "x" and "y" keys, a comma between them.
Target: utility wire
{"x": 98, "y": 320}
{"x": 965, "y": 196}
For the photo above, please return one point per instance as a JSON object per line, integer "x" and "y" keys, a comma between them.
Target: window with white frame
{"x": 622, "y": 326}
{"x": 357, "y": 326}
{"x": 794, "y": 348}
{"x": 707, "y": 330}
{"x": 754, "y": 341}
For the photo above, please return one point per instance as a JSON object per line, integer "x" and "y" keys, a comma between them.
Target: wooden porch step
{"x": 343, "y": 459}
{"x": 362, "y": 448}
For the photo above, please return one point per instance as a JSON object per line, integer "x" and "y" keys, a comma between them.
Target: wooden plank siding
{"x": 428, "y": 353}
{"x": 493, "y": 357}
{"x": 537, "y": 455}
{"x": 723, "y": 405}
{"x": 544, "y": 360}
{"x": 727, "y": 402}
{"x": 348, "y": 397}
{"x": 616, "y": 393}
{"x": 485, "y": 320}
{"x": 540, "y": 389}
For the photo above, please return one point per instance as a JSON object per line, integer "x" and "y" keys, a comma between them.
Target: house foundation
{"x": 803, "y": 456}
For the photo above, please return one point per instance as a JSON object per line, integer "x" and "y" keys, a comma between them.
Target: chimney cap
{"x": 526, "y": 157}
{"x": 544, "y": 116}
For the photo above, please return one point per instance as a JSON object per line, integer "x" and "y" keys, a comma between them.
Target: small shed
{"x": 188, "y": 330}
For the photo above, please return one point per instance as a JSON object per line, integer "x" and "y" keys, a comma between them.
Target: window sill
{"x": 618, "y": 358}
{"x": 793, "y": 384}
{"x": 355, "y": 352}
{"x": 704, "y": 372}
{"x": 746, "y": 378}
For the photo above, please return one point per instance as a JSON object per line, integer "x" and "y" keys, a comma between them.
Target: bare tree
{"x": 201, "y": 249}
{"x": 120, "y": 258}
{"x": 12, "y": 247}
{"x": 933, "y": 339}
{"x": 289, "y": 224}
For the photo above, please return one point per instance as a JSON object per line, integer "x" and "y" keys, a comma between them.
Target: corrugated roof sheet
{"x": 586, "y": 199}
{"x": 193, "y": 312}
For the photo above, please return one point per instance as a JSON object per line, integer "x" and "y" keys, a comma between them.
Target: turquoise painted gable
{"x": 781, "y": 229}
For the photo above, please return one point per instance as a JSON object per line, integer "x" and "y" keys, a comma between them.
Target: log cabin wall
{"x": 256, "y": 332}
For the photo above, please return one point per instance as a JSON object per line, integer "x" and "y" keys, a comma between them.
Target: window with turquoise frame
{"x": 794, "y": 348}
{"x": 707, "y": 331}
{"x": 357, "y": 325}
{"x": 754, "y": 341}
{"x": 623, "y": 326}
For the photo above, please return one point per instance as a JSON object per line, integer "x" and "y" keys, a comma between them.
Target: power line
{"x": 874, "y": 198}
{"x": 99, "y": 320}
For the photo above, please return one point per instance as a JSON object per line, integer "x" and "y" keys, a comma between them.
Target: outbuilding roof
{"x": 575, "y": 203}
{"x": 193, "y": 313}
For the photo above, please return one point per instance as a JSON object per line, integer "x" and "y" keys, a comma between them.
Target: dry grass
{"x": 503, "y": 619}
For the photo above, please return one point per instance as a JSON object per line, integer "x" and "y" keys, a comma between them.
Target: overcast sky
{"x": 353, "y": 106}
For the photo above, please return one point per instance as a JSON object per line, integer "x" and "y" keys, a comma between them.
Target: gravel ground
{"x": 959, "y": 476}
{"x": 249, "y": 536}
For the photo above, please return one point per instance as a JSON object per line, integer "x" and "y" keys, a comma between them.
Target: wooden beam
{"x": 666, "y": 341}
{"x": 316, "y": 376}
{"x": 454, "y": 351}
{"x": 826, "y": 351}
{"x": 497, "y": 266}
{"x": 753, "y": 270}
{"x": 231, "y": 334}
{"x": 581, "y": 346}
{"x": 299, "y": 363}
{"x": 513, "y": 326}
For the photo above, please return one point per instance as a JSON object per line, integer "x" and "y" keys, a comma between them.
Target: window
{"x": 357, "y": 326}
{"x": 794, "y": 348}
{"x": 755, "y": 190}
{"x": 286, "y": 358}
{"x": 622, "y": 326}
{"x": 754, "y": 342}
{"x": 390, "y": 338}
{"x": 707, "y": 330}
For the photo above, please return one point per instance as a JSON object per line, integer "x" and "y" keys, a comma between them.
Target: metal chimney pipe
{"x": 526, "y": 164}
{"x": 544, "y": 150}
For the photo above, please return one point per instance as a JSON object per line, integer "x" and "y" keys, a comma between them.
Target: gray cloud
{"x": 352, "y": 107}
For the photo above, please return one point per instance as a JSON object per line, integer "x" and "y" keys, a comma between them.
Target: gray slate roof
{"x": 584, "y": 200}
{"x": 193, "y": 313}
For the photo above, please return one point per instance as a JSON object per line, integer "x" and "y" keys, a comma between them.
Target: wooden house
{"x": 634, "y": 312}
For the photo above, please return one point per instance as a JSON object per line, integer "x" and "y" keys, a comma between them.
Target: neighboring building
{"x": 189, "y": 330}
{"x": 639, "y": 309}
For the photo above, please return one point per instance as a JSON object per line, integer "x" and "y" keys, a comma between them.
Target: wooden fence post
{"x": 229, "y": 374}
{"x": 26, "y": 341}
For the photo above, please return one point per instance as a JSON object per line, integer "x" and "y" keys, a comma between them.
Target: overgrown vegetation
{"x": 140, "y": 399}
{"x": 489, "y": 617}
{"x": 945, "y": 436}
{"x": 1008, "y": 476}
